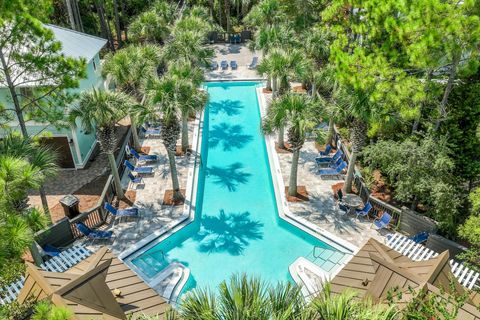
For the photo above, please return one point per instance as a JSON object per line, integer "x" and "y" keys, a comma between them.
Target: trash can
{"x": 70, "y": 206}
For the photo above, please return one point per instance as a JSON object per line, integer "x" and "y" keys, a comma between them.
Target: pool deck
{"x": 319, "y": 211}
{"x": 241, "y": 54}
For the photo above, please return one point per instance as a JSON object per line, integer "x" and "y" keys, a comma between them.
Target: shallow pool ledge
{"x": 282, "y": 204}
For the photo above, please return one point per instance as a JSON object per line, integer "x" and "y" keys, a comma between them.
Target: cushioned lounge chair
{"x": 94, "y": 234}
{"x": 326, "y": 152}
{"x": 333, "y": 172}
{"x": 233, "y": 65}
{"x": 130, "y": 166}
{"x": 224, "y": 65}
{"x": 143, "y": 157}
{"x": 326, "y": 160}
{"x": 150, "y": 132}
{"x": 214, "y": 65}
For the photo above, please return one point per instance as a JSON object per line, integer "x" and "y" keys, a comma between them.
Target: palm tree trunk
{"x": 43, "y": 197}
{"x": 347, "y": 188}
{"x": 331, "y": 131}
{"x": 281, "y": 140}
{"x": 116, "y": 178}
{"x": 136, "y": 140}
{"x": 274, "y": 87}
{"x": 177, "y": 195}
{"x": 118, "y": 29}
{"x": 314, "y": 89}
{"x": 184, "y": 133}
{"x": 448, "y": 89}
{"x": 211, "y": 7}
{"x": 269, "y": 83}
{"x": 227, "y": 15}
{"x": 292, "y": 186}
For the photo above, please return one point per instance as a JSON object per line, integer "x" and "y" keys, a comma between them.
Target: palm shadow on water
{"x": 230, "y": 107}
{"x": 228, "y": 177}
{"x": 230, "y": 233}
{"x": 228, "y": 136}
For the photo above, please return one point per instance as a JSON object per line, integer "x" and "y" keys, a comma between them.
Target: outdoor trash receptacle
{"x": 70, "y": 206}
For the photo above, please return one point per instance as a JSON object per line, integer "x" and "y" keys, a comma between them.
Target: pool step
{"x": 327, "y": 259}
{"x": 170, "y": 281}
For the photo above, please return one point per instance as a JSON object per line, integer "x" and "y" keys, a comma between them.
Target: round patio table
{"x": 352, "y": 201}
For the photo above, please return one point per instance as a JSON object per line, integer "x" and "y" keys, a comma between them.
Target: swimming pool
{"x": 236, "y": 227}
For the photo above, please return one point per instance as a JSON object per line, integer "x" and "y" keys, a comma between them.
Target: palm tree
{"x": 164, "y": 94}
{"x": 17, "y": 176}
{"x": 245, "y": 298}
{"x": 129, "y": 69}
{"x": 188, "y": 98}
{"x": 300, "y": 113}
{"x": 101, "y": 110}
{"x": 358, "y": 109}
{"x": 149, "y": 27}
{"x": 284, "y": 66}
{"x": 41, "y": 157}
{"x": 188, "y": 45}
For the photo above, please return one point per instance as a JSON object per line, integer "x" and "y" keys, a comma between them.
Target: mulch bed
{"x": 302, "y": 194}
{"x": 266, "y": 91}
{"x": 281, "y": 150}
{"x": 130, "y": 196}
{"x": 299, "y": 89}
{"x": 145, "y": 150}
{"x": 168, "y": 198}
{"x": 180, "y": 153}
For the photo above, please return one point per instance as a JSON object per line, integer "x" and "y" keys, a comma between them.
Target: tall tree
{"x": 100, "y": 111}
{"x": 301, "y": 115}
{"x": 35, "y": 72}
{"x": 130, "y": 68}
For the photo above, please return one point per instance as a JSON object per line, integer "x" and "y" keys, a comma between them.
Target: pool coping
{"x": 282, "y": 204}
{"x": 188, "y": 215}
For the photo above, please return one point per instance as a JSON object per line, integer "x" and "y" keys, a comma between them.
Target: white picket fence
{"x": 418, "y": 252}
{"x": 65, "y": 260}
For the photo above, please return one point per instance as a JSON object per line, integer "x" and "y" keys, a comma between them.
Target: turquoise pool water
{"x": 236, "y": 227}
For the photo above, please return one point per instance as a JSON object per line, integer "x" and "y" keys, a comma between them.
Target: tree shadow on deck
{"x": 230, "y": 107}
{"x": 228, "y": 136}
{"x": 229, "y": 177}
{"x": 230, "y": 233}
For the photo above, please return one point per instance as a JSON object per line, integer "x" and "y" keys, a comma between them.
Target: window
{"x": 94, "y": 64}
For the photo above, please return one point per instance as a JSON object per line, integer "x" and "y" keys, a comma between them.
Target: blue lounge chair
{"x": 224, "y": 65}
{"x": 135, "y": 180}
{"x": 130, "y": 166}
{"x": 420, "y": 237}
{"x": 336, "y": 164}
{"x": 238, "y": 38}
{"x": 326, "y": 152}
{"x": 329, "y": 160}
{"x": 121, "y": 213}
{"x": 150, "y": 132}
{"x": 143, "y": 158}
{"x": 233, "y": 65}
{"x": 364, "y": 212}
{"x": 333, "y": 172}
{"x": 214, "y": 65}
{"x": 382, "y": 222}
{"x": 93, "y": 234}
{"x": 254, "y": 63}
{"x": 51, "y": 250}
